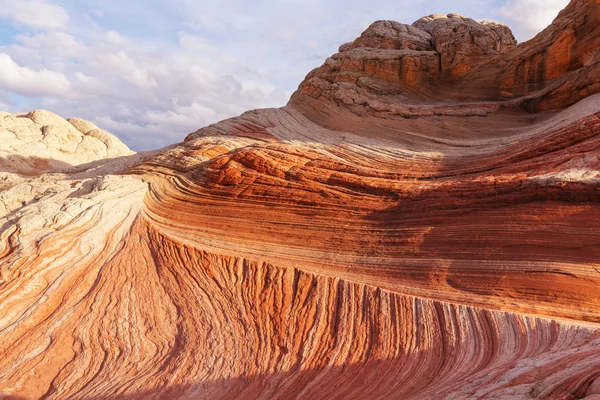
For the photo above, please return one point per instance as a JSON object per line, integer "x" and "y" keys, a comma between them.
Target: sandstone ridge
{"x": 394, "y": 68}
{"x": 41, "y": 141}
{"x": 419, "y": 222}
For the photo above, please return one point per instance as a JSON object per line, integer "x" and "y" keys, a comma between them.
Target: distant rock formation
{"x": 394, "y": 68}
{"x": 41, "y": 141}
{"x": 419, "y": 222}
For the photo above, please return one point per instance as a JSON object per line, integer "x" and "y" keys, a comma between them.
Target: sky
{"x": 151, "y": 71}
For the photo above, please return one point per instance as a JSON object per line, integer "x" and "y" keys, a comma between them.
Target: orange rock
{"x": 454, "y": 58}
{"x": 397, "y": 231}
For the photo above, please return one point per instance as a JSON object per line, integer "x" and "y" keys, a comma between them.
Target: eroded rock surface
{"x": 395, "y": 246}
{"x": 41, "y": 141}
{"x": 398, "y": 69}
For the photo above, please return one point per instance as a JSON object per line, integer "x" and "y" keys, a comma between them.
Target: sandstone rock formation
{"x": 391, "y": 233}
{"x": 41, "y": 141}
{"x": 400, "y": 69}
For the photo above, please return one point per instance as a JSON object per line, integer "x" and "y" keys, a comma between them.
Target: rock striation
{"x": 41, "y": 141}
{"x": 398, "y": 69}
{"x": 397, "y": 231}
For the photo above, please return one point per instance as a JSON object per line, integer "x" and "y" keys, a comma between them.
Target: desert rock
{"x": 41, "y": 141}
{"x": 400, "y": 69}
{"x": 394, "y": 232}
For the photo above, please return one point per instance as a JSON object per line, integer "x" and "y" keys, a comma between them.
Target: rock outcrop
{"x": 396, "y": 69}
{"x": 41, "y": 142}
{"x": 394, "y": 232}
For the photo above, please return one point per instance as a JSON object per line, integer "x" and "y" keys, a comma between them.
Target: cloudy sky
{"x": 151, "y": 71}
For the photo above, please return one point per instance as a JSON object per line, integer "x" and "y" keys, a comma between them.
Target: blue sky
{"x": 151, "y": 71}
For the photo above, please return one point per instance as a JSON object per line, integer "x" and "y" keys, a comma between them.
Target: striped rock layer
{"x": 322, "y": 250}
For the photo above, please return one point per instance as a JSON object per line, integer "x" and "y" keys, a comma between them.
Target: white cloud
{"x": 529, "y": 17}
{"x": 129, "y": 70}
{"x": 182, "y": 116}
{"x": 58, "y": 42}
{"x": 89, "y": 85}
{"x": 37, "y": 14}
{"x": 31, "y": 82}
{"x": 207, "y": 23}
{"x": 195, "y": 42}
{"x": 114, "y": 37}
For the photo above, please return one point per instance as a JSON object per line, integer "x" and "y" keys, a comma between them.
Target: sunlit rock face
{"x": 383, "y": 236}
{"x": 400, "y": 69}
{"x": 41, "y": 141}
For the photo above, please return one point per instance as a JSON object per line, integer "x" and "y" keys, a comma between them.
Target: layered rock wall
{"x": 443, "y": 58}
{"x": 399, "y": 230}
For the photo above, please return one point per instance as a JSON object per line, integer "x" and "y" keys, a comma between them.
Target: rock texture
{"x": 380, "y": 237}
{"x": 41, "y": 141}
{"x": 400, "y": 69}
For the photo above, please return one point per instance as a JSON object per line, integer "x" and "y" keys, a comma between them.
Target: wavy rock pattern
{"x": 41, "y": 142}
{"x": 318, "y": 251}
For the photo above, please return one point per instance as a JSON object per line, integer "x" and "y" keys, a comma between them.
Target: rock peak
{"x": 41, "y": 141}
{"x": 451, "y": 57}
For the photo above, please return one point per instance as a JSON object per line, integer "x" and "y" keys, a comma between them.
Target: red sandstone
{"x": 420, "y": 221}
